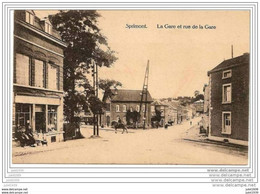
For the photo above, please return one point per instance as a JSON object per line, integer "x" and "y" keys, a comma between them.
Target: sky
{"x": 179, "y": 58}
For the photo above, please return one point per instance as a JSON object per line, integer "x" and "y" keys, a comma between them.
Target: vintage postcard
{"x": 131, "y": 87}
{"x": 129, "y": 93}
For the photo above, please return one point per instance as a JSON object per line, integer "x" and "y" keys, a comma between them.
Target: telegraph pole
{"x": 144, "y": 94}
{"x": 97, "y": 97}
{"x": 94, "y": 86}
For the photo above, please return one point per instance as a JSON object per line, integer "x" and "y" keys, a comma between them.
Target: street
{"x": 151, "y": 146}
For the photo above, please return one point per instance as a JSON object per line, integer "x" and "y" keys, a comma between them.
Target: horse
{"x": 117, "y": 125}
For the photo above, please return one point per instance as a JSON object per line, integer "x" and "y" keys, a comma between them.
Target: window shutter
{"x": 32, "y": 76}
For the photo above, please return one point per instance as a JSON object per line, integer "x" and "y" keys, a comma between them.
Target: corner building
{"x": 38, "y": 77}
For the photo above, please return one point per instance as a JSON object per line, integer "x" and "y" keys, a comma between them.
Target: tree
{"x": 158, "y": 116}
{"x": 132, "y": 116}
{"x": 196, "y": 93}
{"x": 107, "y": 84}
{"x": 79, "y": 29}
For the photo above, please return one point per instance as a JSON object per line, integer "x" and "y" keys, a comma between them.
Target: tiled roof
{"x": 243, "y": 59}
{"x": 129, "y": 96}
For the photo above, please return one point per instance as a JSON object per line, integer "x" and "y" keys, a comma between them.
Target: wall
{"x": 240, "y": 103}
{"x": 122, "y": 114}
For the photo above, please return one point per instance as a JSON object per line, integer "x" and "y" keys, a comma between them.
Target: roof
{"x": 158, "y": 103}
{"x": 38, "y": 22}
{"x": 240, "y": 60}
{"x": 199, "y": 101}
{"x": 128, "y": 96}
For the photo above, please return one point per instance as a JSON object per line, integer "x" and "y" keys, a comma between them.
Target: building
{"x": 199, "y": 106}
{"x": 38, "y": 77}
{"x": 229, "y": 100}
{"x": 163, "y": 109}
{"x": 205, "y": 117}
{"x": 206, "y": 99}
{"x": 122, "y": 101}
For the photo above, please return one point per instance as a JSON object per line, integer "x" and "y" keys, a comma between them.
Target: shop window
{"x": 39, "y": 73}
{"x": 23, "y": 116}
{"x": 53, "y": 77}
{"x": 52, "y": 118}
{"x": 22, "y": 69}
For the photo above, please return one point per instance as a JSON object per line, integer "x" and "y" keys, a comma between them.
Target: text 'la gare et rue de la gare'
{"x": 171, "y": 26}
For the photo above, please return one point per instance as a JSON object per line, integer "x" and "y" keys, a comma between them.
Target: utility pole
{"x": 232, "y": 51}
{"x": 97, "y": 97}
{"x": 144, "y": 95}
{"x": 94, "y": 86}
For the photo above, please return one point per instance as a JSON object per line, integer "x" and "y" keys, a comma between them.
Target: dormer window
{"x": 47, "y": 28}
{"x": 46, "y": 25}
{"x": 29, "y": 17}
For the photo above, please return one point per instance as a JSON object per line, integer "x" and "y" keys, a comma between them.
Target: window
{"x": 29, "y": 17}
{"x": 226, "y": 74}
{"x": 226, "y": 122}
{"x": 53, "y": 77}
{"x": 131, "y": 109}
{"x": 47, "y": 28}
{"x": 108, "y": 107}
{"x": 22, "y": 115}
{"x": 52, "y": 118}
{"x": 39, "y": 73}
{"x": 153, "y": 108}
{"x": 226, "y": 93}
{"x": 22, "y": 69}
{"x": 143, "y": 108}
{"x": 137, "y": 108}
{"x": 124, "y": 108}
{"x": 117, "y": 108}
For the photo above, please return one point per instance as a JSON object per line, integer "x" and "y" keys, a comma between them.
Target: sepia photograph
{"x": 131, "y": 87}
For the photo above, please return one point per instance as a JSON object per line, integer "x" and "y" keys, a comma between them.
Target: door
{"x": 40, "y": 120}
{"x": 108, "y": 121}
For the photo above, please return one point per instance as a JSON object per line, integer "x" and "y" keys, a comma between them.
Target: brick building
{"x": 38, "y": 77}
{"x": 123, "y": 100}
{"x": 229, "y": 100}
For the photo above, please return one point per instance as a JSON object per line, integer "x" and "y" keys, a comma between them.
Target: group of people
{"x": 24, "y": 135}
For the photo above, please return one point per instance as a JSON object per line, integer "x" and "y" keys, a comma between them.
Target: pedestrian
{"x": 190, "y": 122}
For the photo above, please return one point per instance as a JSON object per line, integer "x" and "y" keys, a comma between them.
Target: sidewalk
{"x": 192, "y": 134}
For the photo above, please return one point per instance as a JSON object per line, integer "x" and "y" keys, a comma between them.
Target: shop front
{"x": 43, "y": 116}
